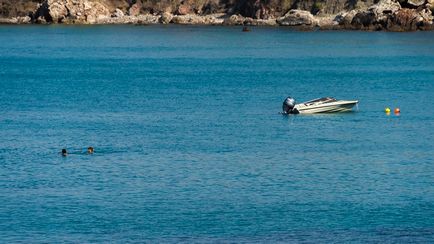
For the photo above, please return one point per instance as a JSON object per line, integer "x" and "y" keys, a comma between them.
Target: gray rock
{"x": 331, "y": 7}
{"x": 297, "y": 17}
{"x": 144, "y": 19}
{"x": 166, "y": 18}
{"x": 260, "y": 22}
{"x": 148, "y": 19}
{"x": 426, "y": 18}
{"x": 416, "y": 3}
{"x": 384, "y": 7}
{"x": 24, "y": 20}
{"x": 327, "y": 22}
{"x": 345, "y": 18}
{"x": 364, "y": 20}
{"x": 235, "y": 19}
{"x": 16, "y": 20}
{"x": 71, "y": 11}
{"x": 118, "y": 13}
{"x": 376, "y": 17}
{"x": 57, "y": 10}
{"x": 41, "y": 20}
{"x": 388, "y": 15}
{"x": 188, "y": 19}
{"x": 193, "y": 19}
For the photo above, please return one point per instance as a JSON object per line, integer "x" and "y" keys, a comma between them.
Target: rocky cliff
{"x": 395, "y": 15}
{"x": 259, "y": 9}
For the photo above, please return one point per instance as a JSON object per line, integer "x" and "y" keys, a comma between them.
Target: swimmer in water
{"x": 64, "y": 152}
{"x": 90, "y": 150}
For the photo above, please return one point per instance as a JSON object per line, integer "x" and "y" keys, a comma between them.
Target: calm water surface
{"x": 189, "y": 145}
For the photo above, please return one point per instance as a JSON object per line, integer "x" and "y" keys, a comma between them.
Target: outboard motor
{"x": 288, "y": 106}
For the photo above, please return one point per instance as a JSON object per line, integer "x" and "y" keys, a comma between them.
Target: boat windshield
{"x": 322, "y": 100}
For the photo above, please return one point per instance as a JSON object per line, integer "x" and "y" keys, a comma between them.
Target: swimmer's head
{"x": 90, "y": 150}
{"x": 64, "y": 152}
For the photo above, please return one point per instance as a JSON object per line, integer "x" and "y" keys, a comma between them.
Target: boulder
{"x": 297, "y": 17}
{"x": 184, "y": 9}
{"x": 40, "y": 20}
{"x": 118, "y": 13}
{"x": 6, "y": 21}
{"x": 71, "y": 11}
{"x": 16, "y": 20}
{"x": 384, "y": 8}
{"x": 404, "y": 19}
{"x": 411, "y": 19}
{"x": 214, "y": 19}
{"x": 235, "y": 19}
{"x": 376, "y": 17}
{"x": 193, "y": 19}
{"x": 166, "y": 18}
{"x": 188, "y": 19}
{"x": 364, "y": 20}
{"x": 345, "y": 18}
{"x": 57, "y": 10}
{"x": 24, "y": 20}
{"x": 241, "y": 20}
{"x": 426, "y": 15}
{"x": 260, "y": 22}
{"x": 327, "y": 22}
{"x": 142, "y": 19}
{"x": 416, "y": 3}
{"x": 95, "y": 11}
{"x": 134, "y": 10}
{"x": 388, "y": 15}
{"x": 148, "y": 19}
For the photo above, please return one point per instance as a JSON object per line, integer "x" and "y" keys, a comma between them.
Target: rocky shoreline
{"x": 387, "y": 15}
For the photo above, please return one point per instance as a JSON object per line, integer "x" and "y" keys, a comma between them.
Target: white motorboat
{"x": 320, "y": 105}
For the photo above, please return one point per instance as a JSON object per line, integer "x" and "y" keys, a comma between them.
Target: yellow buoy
{"x": 387, "y": 110}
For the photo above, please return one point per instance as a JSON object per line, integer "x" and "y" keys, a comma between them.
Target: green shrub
{"x": 316, "y": 7}
{"x": 286, "y": 5}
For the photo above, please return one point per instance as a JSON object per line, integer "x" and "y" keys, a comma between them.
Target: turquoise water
{"x": 189, "y": 143}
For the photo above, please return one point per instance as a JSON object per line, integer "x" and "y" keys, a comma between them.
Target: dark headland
{"x": 388, "y": 15}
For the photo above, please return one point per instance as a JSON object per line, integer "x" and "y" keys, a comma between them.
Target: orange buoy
{"x": 397, "y": 111}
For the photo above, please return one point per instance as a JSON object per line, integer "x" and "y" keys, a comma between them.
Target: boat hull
{"x": 331, "y": 107}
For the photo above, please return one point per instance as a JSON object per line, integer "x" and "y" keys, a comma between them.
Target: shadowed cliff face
{"x": 259, "y": 9}
{"x": 331, "y": 6}
{"x": 12, "y": 8}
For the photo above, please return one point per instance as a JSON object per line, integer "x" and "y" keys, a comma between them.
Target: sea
{"x": 190, "y": 145}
